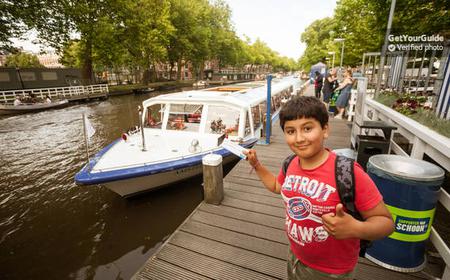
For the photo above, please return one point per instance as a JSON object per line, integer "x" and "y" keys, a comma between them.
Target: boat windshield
{"x": 222, "y": 119}
{"x": 155, "y": 115}
{"x": 184, "y": 117}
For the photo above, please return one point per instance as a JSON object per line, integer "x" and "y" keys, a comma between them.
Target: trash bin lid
{"x": 407, "y": 168}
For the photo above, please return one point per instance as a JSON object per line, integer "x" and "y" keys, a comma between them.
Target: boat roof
{"x": 242, "y": 95}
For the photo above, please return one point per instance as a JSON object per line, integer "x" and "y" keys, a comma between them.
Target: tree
{"x": 23, "y": 60}
{"x": 144, "y": 29}
{"x": 11, "y": 24}
{"x": 318, "y": 38}
{"x": 71, "y": 54}
{"x": 362, "y": 23}
{"x": 182, "y": 14}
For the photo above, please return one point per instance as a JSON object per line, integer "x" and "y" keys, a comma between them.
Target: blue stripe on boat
{"x": 85, "y": 177}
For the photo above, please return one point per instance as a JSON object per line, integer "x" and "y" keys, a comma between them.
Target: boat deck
{"x": 244, "y": 238}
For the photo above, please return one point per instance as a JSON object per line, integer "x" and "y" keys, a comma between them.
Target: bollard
{"x": 212, "y": 179}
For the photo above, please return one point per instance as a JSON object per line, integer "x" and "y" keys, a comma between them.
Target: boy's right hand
{"x": 251, "y": 157}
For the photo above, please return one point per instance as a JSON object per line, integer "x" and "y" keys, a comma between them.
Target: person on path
{"x": 320, "y": 67}
{"x": 324, "y": 238}
{"x": 318, "y": 83}
{"x": 345, "y": 87}
{"x": 329, "y": 85}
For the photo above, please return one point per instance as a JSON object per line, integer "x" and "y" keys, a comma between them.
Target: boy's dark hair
{"x": 304, "y": 107}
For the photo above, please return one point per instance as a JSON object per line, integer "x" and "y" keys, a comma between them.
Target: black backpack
{"x": 345, "y": 180}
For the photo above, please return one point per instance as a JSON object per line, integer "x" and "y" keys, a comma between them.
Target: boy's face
{"x": 305, "y": 136}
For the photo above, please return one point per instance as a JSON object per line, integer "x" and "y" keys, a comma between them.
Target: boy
{"x": 324, "y": 239}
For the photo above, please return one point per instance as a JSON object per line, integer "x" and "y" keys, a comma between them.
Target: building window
{"x": 28, "y": 76}
{"x": 4, "y": 77}
{"x": 49, "y": 76}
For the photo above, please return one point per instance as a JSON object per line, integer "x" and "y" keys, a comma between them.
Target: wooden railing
{"x": 8, "y": 96}
{"x": 424, "y": 141}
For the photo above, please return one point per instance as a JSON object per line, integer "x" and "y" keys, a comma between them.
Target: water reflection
{"x": 50, "y": 228}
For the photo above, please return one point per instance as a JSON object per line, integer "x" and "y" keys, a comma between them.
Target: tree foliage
{"x": 362, "y": 23}
{"x": 118, "y": 34}
{"x": 23, "y": 60}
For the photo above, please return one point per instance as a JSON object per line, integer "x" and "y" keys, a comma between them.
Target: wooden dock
{"x": 244, "y": 237}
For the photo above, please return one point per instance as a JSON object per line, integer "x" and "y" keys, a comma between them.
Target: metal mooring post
{"x": 268, "y": 116}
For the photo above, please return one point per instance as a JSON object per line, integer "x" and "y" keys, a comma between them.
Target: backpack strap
{"x": 286, "y": 163}
{"x": 345, "y": 181}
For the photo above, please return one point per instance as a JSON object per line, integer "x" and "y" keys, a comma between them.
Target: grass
{"x": 422, "y": 116}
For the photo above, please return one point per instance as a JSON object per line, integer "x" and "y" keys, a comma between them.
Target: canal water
{"x": 51, "y": 228}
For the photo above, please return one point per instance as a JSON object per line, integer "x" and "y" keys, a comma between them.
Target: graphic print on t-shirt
{"x": 300, "y": 208}
{"x": 306, "y": 201}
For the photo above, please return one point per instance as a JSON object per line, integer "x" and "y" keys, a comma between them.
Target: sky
{"x": 279, "y": 23}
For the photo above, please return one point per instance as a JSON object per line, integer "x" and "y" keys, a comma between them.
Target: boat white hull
{"x": 136, "y": 185}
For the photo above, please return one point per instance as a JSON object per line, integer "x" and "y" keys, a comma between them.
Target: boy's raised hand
{"x": 251, "y": 157}
{"x": 340, "y": 225}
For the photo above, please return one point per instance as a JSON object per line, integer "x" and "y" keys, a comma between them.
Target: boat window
{"x": 248, "y": 129}
{"x": 256, "y": 114}
{"x": 185, "y": 117}
{"x": 262, "y": 109}
{"x": 276, "y": 102}
{"x": 155, "y": 115}
{"x": 222, "y": 119}
{"x": 272, "y": 105}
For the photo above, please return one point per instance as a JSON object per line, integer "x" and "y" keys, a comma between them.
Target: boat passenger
{"x": 48, "y": 99}
{"x": 17, "y": 102}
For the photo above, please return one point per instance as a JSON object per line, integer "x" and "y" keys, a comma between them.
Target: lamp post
{"x": 342, "y": 49}
{"x": 383, "y": 50}
{"x": 333, "y": 53}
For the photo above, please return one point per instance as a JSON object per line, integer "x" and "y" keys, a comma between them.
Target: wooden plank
{"x": 248, "y": 228}
{"x": 251, "y": 189}
{"x": 365, "y": 272}
{"x": 254, "y": 206}
{"x": 240, "y": 240}
{"x": 206, "y": 266}
{"x": 161, "y": 270}
{"x": 244, "y": 181}
{"x": 243, "y": 215}
{"x": 230, "y": 254}
{"x": 262, "y": 199}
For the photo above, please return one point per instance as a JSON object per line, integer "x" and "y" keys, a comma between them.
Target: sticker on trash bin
{"x": 411, "y": 226}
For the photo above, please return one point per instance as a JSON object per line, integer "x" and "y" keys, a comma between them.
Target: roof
{"x": 242, "y": 95}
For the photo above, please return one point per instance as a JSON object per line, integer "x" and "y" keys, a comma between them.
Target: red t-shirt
{"x": 310, "y": 193}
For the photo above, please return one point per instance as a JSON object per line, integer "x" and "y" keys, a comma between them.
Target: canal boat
{"x": 10, "y": 109}
{"x": 178, "y": 129}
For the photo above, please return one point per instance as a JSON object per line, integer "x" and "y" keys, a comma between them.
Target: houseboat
{"x": 178, "y": 129}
